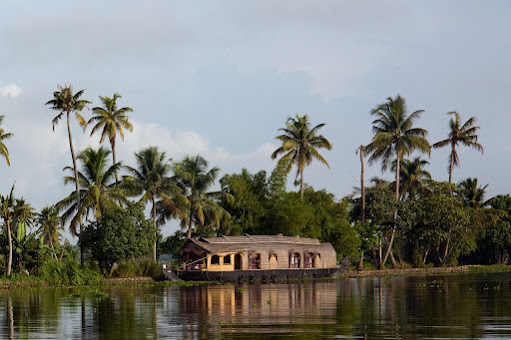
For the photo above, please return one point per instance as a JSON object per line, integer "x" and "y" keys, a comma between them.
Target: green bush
{"x": 137, "y": 268}
{"x": 68, "y": 273}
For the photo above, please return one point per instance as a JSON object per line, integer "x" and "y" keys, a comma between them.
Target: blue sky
{"x": 219, "y": 78}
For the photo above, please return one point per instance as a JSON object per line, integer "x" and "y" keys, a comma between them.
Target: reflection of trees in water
{"x": 451, "y": 306}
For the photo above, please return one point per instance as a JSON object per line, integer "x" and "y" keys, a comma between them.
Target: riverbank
{"x": 32, "y": 282}
{"x": 473, "y": 269}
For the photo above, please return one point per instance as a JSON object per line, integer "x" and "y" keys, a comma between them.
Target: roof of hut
{"x": 255, "y": 243}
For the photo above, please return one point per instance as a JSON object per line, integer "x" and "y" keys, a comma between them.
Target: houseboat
{"x": 256, "y": 258}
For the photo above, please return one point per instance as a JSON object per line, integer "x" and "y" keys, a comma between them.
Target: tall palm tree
{"x": 151, "y": 180}
{"x": 98, "y": 190}
{"x": 4, "y": 152}
{"x": 50, "y": 225}
{"x": 395, "y": 137}
{"x": 300, "y": 144}
{"x": 413, "y": 178}
{"x": 65, "y": 101}
{"x": 112, "y": 120}
{"x": 13, "y": 211}
{"x": 195, "y": 180}
{"x": 465, "y": 134}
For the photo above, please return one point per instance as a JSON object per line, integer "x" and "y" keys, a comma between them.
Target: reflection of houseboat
{"x": 252, "y": 258}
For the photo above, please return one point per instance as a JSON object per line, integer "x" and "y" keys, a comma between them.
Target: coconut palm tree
{"x": 465, "y": 134}
{"x": 412, "y": 178}
{"x": 300, "y": 144}
{"x": 50, "y": 225}
{"x": 394, "y": 138}
{"x": 195, "y": 180}
{"x": 66, "y": 102}
{"x": 98, "y": 190}
{"x": 151, "y": 180}
{"x": 471, "y": 193}
{"x": 4, "y": 152}
{"x": 112, "y": 121}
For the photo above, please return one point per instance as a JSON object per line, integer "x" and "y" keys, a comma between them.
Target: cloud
{"x": 10, "y": 90}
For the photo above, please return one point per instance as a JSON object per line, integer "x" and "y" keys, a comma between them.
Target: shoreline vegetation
{"x": 411, "y": 220}
{"x": 147, "y": 281}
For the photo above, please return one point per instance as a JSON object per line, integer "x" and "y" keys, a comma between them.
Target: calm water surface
{"x": 439, "y": 307}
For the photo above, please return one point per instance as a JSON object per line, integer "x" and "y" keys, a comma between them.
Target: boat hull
{"x": 258, "y": 275}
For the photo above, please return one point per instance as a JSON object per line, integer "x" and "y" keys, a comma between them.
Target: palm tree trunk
{"x": 389, "y": 250}
{"x": 155, "y": 230}
{"x": 53, "y": 249}
{"x": 451, "y": 167}
{"x": 189, "y": 234}
{"x": 112, "y": 143}
{"x": 380, "y": 258}
{"x": 362, "y": 187}
{"x": 9, "y": 239}
{"x": 77, "y": 185}
{"x": 301, "y": 183}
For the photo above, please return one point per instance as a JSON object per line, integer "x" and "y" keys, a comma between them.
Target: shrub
{"x": 68, "y": 273}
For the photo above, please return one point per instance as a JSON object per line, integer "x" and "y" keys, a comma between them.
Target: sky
{"x": 219, "y": 78}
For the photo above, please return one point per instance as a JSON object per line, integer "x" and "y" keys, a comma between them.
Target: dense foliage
{"x": 413, "y": 220}
{"x": 121, "y": 234}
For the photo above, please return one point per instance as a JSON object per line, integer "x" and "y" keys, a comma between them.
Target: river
{"x": 434, "y": 307}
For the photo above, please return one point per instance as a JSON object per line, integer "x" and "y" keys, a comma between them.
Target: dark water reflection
{"x": 461, "y": 307}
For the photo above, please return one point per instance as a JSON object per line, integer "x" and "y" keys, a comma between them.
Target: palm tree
{"x": 413, "y": 177}
{"x": 300, "y": 144}
{"x": 395, "y": 137}
{"x": 195, "y": 180}
{"x": 50, "y": 226}
{"x": 4, "y": 152}
{"x": 471, "y": 193}
{"x": 112, "y": 120}
{"x": 98, "y": 189}
{"x": 150, "y": 179}
{"x": 64, "y": 101}
{"x": 465, "y": 134}
{"x": 13, "y": 211}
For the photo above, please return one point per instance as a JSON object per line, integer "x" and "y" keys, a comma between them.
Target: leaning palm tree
{"x": 65, "y": 101}
{"x": 151, "y": 180}
{"x": 4, "y": 152}
{"x": 465, "y": 134}
{"x": 50, "y": 225}
{"x": 195, "y": 180}
{"x": 98, "y": 190}
{"x": 413, "y": 178}
{"x": 300, "y": 144}
{"x": 112, "y": 120}
{"x": 394, "y": 138}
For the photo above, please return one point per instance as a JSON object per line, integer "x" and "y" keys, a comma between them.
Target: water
{"x": 439, "y": 307}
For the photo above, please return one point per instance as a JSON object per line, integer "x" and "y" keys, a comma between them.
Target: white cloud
{"x": 10, "y": 90}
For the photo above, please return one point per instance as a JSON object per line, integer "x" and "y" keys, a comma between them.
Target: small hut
{"x": 251, "y": 252}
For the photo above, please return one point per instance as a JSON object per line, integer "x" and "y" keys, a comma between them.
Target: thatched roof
{"x": 259, "y": 243}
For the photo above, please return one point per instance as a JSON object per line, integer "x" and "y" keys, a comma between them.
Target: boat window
{"x": 294, "y": 261}
{"x": 309, "y": 260}
{"x": 255, "y": 261}
{"x": 215, "y": 259}
{"x": 227, "y": 259}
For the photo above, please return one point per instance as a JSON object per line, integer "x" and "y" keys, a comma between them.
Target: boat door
{"x": 237, "y": 261}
